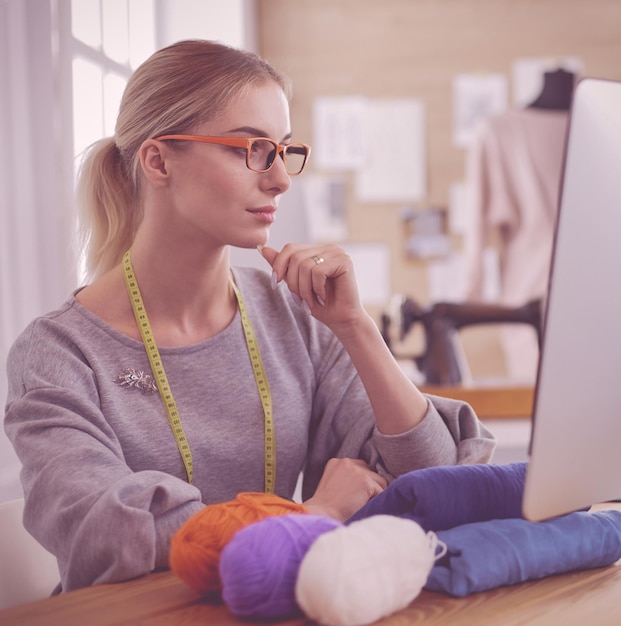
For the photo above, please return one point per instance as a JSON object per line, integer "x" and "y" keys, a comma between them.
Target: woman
{"x": 170, "y": 381}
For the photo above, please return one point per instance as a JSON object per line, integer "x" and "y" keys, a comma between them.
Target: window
{"x": 109, "y": 39}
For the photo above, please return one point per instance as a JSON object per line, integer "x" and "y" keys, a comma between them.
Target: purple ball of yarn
{"x": 259, "y": 566}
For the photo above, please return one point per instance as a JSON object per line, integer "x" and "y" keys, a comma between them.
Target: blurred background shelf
{"x": 494, "y": 402}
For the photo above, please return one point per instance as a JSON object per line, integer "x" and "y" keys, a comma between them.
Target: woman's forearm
{"x": 397, "y": 403}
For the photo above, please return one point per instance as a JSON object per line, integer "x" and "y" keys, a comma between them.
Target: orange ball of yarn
{"x": 196, "y": 547}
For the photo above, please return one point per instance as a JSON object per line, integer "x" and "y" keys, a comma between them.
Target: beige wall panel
{"x": 414, "y": 48}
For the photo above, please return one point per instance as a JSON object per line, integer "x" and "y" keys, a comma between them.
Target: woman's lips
{"x": 265, "y": 214}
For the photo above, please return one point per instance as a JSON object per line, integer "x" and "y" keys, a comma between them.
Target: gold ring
{"x": 317, "y": 259}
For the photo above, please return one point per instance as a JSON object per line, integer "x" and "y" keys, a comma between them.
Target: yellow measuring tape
{"x": 159, "y": 374}
{"x": 264, "y": 392}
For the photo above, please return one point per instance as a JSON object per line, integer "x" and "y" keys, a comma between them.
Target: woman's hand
{"x": 345, "y": 486}
{"x": 322, "y": 277}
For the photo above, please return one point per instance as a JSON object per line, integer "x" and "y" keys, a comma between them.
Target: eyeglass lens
{"x": 263, "y": 152}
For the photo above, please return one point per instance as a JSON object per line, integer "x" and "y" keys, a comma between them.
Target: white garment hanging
{"x": 513, "y": 173}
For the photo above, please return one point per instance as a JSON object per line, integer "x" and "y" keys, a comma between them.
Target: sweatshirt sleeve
{"x": 80, "y": 494}
{"x": 343, "y": 425}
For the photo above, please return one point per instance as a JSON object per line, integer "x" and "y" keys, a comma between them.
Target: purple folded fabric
{"x": 438, "y": 498}
{"x": 486, "y": 555}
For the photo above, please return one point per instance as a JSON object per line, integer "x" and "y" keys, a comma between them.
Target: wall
{"x": 405, "y": 48}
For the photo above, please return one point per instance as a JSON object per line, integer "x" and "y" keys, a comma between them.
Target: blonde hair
{"x": 174, "y": 91}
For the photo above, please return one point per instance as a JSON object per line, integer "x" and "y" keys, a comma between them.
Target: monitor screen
{"x": 575, "y": 451}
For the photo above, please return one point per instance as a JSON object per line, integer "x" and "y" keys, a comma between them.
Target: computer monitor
{"x": 575, "y": 449}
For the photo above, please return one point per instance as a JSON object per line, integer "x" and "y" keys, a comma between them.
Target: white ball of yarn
{"x": 357, "y": 574}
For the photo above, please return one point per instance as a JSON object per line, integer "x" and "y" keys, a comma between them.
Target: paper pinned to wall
{"x": 395, "y": 167}
{"x": 446, "y": 278}
{"x": 372, "y": 266}
{"x": 324, "y": 206}
{"x": 339, "y": 132}
{"x": 426, "y": 233}
{"x": 475, "y": 97}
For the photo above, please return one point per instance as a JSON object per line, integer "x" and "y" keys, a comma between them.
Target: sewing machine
{"x": 440, "y": 362}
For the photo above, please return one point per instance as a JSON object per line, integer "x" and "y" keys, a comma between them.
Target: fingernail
{"x": 320, "y": 300}
{"x": 274, "y": 280}
{"x": 260, "y": 249}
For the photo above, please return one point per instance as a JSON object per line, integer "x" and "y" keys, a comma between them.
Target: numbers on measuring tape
{"x": 264, "y": 392}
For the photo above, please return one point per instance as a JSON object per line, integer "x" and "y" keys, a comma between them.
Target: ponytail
{"x": 110, "y": 211}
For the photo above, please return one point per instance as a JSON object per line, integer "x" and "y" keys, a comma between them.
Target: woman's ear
{"x": 153, "y": 161}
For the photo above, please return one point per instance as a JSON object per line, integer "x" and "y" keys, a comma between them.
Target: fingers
{"x": 307, "y": 269}
{"x": 376, "y": 484}
{"x": 345, "y": 486}
{"x": 312, "y": 279}
{"x": 269, "y": 254}
{"x": 380, "y": 483}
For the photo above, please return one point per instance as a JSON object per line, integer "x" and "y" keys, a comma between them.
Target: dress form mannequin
{"x": 513, "y": 171}
{"x": 557, "y": 91}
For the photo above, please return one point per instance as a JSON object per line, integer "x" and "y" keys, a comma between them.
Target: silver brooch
{"x": 130, "y": 377}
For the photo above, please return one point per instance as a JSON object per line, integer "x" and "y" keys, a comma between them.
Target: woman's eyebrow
{"x": 256, "y": 132}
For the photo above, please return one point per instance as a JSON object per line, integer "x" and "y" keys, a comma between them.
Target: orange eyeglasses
{"x": 260, "y": 152}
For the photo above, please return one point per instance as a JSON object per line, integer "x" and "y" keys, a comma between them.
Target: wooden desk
{"x": 590, "y": 598}
{"x": 490, "y": 402}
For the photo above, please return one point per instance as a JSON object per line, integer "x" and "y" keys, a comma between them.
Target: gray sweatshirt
{"x": 104, "y": 481}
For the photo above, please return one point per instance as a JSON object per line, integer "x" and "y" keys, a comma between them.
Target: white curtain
{"x": 38, "y": 262}
{"x": 36, "y": 224}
